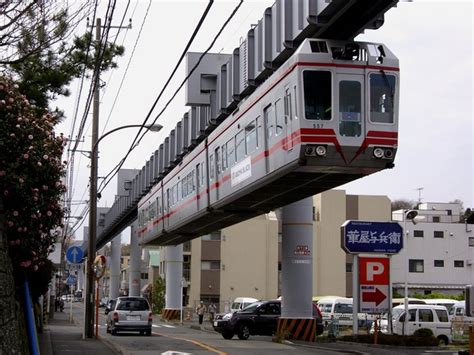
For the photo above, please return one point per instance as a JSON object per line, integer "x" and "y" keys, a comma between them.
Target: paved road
{"x": 191, "y": 339}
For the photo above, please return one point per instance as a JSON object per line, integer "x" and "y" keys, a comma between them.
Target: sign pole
{"x": 355, "y": 295}
{"x": 97, "y": 311}
{"x": 70, "y": 306}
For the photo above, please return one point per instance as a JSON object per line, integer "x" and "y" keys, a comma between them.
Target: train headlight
{"x": 388, "y": 153}
{"x": 309, "y": 151}
{"x": 321, "y": 150}
{"x": 378, "y": 153}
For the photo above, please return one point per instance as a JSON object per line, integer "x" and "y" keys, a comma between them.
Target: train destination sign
{"x": 371, "y": 237}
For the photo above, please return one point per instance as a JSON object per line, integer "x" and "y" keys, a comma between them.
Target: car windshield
{"x": 396, "y": 312}
{"x": 132, "y": 305}
{"x": 252, "y": 307}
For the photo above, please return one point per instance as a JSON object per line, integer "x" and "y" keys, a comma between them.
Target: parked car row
{"x": 258, "y": 318}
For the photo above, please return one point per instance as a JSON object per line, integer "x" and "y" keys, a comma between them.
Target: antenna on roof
{"x": 419, "y": 193}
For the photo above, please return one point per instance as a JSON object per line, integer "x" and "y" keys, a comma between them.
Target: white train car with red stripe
{"x": 327, "y": 116}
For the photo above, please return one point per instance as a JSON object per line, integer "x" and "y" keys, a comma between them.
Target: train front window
{"x": 350, "y": 104}
{"x": 382, "y": 93}
{"x": 317, "y": 95}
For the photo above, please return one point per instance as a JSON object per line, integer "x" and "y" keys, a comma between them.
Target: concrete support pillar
{"x": 114, "y": 265}
{"x": 135, "y": 261}
{"x": 297, "y": 271}
{"x": 173, "y": 276}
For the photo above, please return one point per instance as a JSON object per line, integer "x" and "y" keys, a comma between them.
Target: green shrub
{"x": 423, "y": 332}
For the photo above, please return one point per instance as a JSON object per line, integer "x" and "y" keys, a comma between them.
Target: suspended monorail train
{"x": 327, "y": 116}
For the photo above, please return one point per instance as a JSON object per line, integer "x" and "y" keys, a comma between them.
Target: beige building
{"x": 244, "y": 260}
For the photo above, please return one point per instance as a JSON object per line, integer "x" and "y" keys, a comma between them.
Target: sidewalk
{"x": 60, "y": 337}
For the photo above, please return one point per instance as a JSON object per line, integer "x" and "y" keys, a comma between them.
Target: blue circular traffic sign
{"x": 74, "y": 255}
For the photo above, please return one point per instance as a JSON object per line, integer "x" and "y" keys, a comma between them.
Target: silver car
{"x": 130, "y": 314}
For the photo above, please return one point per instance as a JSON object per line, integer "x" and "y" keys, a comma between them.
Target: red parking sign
{"x": 374, "y": 281}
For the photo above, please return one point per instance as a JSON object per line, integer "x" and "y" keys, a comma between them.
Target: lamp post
{"x": 91, "y": 250}
{"x": 407, "y": 215}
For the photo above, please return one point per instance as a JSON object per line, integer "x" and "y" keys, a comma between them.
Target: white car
{"x": 420, "y": 316}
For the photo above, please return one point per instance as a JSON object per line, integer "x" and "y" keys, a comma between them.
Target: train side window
{"x": 218, "y": 161}
{"x": 259, "y": 129}
{"x": 295, "y": 101}
{"x": 251, "y": 137}
{"x": 240, "y": 145}
{"x": 279, "y": 117}
{"x": 268, "y": 114}
{"x": 317, "y": 95}
{"x": 288, "y": 112}
{"x": 224, "y": 157}
{"x": 350, "y": 103}
{"x": 231, "y": 152}
{"x": 382, "y": 94}
{"x": 168, "y": 202}
{"x": 211, "y": 166}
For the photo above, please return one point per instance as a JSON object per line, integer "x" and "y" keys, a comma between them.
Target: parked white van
{"x": 341, "y": 309}
{"x": 241, "y": 302}
{"x": 447, "y": 302}
{"x": 423, "y": 316}
{"x": 458, "y": 310}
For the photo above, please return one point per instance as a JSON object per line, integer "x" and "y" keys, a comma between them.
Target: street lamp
{"x": 91, "y": 250}
{"x": 407, "y": 215}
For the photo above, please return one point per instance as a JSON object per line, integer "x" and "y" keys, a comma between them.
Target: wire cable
{"x": 114, "y": 171}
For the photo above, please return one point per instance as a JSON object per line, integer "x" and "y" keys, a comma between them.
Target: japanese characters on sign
{"x": 371, "y": 237}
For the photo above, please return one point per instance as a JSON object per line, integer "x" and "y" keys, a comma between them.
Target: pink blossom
{"x": 25, "y": 263}
{"x": 26, "y": 156}
{"x": 12, "y": 135}
{"x": 49, "y": 213}
{"x": 11, "y": 100}
{"x": 21, "y": 181}
{"x": 15, "y": 213}
{"x": 39, "y": 163}
{"x": 35, "y": 267}
{"x": 45, "y": 187}
{"x": 10, "y": 223}
{"x": 6, "y": 193}
{"x": 45, "y": 157}
{"x": 19, "y": 229}
{"x": 30, "y": 136}
{"x": 17, "y": 126}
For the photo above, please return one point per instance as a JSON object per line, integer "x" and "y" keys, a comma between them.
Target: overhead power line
{"x": 114, "y": 171}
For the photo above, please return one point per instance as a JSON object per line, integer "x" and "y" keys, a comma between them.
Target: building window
{"x": 210, "y": 265}
{"x": 458, "y": 263}
{"x": 436, "y": 219}
{"x": 144, "y": 276}
{"x": 439, "y": 263}
{"x": 471, "y": 241}
{"x": 214, "y": 236}
{"x": 438, "y": 234}
{"x": 418, "y": 234}
{"x": 415, "y": 265}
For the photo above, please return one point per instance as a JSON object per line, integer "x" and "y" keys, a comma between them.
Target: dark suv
{"x": 259, "y": 318}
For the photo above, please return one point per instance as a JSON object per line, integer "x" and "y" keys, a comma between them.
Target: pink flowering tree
{"x": 30, "y": 180}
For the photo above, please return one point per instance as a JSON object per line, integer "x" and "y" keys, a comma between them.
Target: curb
{"x": 324, "y": 348}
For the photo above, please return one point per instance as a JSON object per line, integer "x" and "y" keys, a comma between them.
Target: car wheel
{"x": 148, "y": 332}
{"x": 244, "y": 332}
{"x": 443, "y": 340}
{"x": 227, "y": 335}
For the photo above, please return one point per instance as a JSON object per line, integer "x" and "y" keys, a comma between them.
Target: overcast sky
{"x": 432, "y": 39}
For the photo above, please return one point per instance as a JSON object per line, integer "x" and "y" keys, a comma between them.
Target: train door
{"x": 351, "y": 109}
{"x": 198, "y": 186}
{"x": 289, "y": 127}
{"x": 268, "y": 133}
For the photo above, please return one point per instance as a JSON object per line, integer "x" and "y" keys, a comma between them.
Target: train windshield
{"x": 382, "y": 93}
{"x": 350, "y": 108}
{"x": 317, "y": 95}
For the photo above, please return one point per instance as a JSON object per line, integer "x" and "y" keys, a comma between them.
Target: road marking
{"x": 195, "y": 342}
{"x": 167, "y": 326}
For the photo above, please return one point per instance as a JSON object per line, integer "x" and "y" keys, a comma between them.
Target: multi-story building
{"x": 244, "y": 260}
{"x": 439, "y": 251}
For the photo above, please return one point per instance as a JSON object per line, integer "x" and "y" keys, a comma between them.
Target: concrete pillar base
{"x": 297, "y": 329}
{"x": 171, "y": 314}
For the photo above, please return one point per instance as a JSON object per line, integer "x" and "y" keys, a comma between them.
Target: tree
{"x": 38, "y": 51}
{"x": 403, "y": 204}
{"x": 158, "y": 295}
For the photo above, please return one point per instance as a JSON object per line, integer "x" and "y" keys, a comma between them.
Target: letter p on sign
{"x": 374, "y": 271}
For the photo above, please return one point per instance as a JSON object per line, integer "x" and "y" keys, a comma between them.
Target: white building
{"x": 440, "y": 251}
